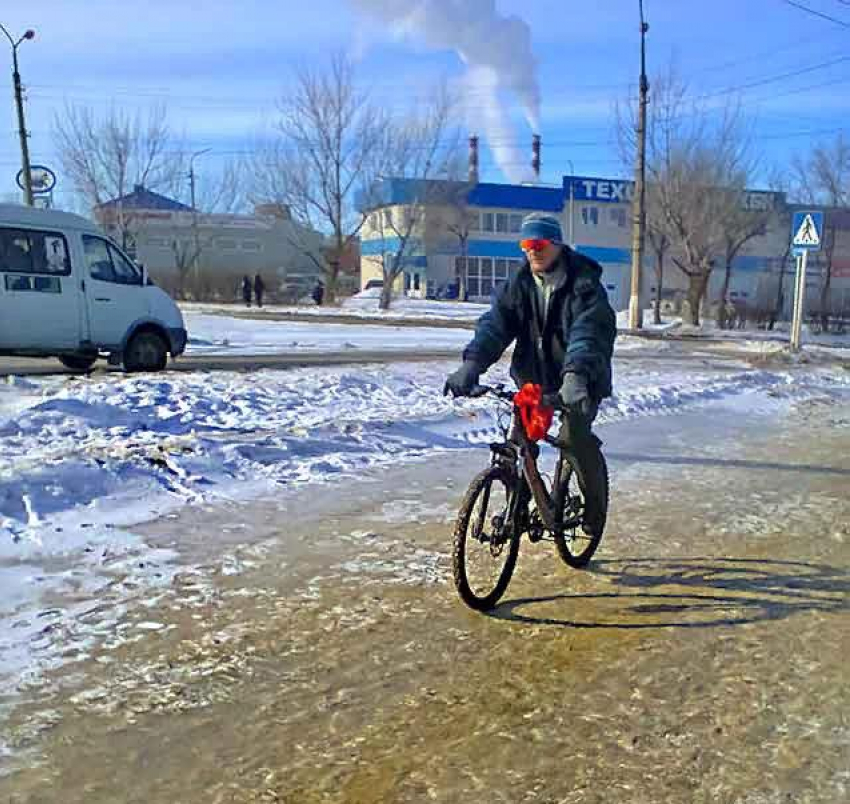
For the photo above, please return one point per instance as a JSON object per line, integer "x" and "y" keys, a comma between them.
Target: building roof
{"x": 504, "y": 196}
{"x": 518, "y": 196}
{"x": 142, "y": 198}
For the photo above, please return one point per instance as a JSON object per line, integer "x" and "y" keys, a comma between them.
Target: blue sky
{"x": 219, "y": 65}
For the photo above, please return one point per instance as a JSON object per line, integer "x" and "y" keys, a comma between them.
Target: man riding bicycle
{"x": 557, "y": 311}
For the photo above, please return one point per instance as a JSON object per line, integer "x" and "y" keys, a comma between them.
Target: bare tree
{"x": 105, "y": 157}
{"x": 423, "y": 160}
{"x": 331, "y": 146}
{"x": 217, "y": 193}
{"x": 698, "y": 166}
{"x": 780, "y": 286}
{"x": 742, "y": 224}
{"x": 455, "y": 218}
{"x": 668, "y": 97}
{"x": 659, "y": 244}
{"x": 824, "y": 179}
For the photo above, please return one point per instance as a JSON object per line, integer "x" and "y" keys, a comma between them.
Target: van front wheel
{"x": 79, "y": 363}
{"x": 146, "y": 351}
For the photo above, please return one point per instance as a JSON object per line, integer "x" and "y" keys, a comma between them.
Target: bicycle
{"x": 511, "y": 483}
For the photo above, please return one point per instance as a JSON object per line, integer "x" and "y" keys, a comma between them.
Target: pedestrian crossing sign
{"x": 807, "y": 231}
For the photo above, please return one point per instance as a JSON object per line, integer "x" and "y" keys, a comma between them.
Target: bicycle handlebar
{"x": 498, "y": 391}
{"x": 549, "y": 400}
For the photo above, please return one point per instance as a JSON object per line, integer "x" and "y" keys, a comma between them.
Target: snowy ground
{"x": 84, "y": 458}
{"x": 218, "y": 334}
{"x": 361, "y": 307}
{"x": 212, "y": 331}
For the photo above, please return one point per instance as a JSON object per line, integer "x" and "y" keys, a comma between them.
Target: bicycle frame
{"x": 519, "y": 450}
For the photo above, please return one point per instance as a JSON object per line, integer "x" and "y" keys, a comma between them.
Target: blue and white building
{"x": 595, "y": 215}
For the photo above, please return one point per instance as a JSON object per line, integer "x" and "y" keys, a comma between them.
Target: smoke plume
{"x": 497, "y": 51}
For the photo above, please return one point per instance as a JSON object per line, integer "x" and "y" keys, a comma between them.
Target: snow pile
{"x": 649, "y": 322}
{"x": 363, "y": 305}
{"x": 215, "y": 335}
{"x": 119, "y": 449}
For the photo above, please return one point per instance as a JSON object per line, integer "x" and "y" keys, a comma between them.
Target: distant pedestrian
{"x": 729, "y": 312}
{"x": 259, "y": 289}
{"x": 246, "y": 290}
{"x": 319, "y": 293}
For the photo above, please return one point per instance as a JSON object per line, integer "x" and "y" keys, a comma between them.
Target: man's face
{"x": 541, "y": 254}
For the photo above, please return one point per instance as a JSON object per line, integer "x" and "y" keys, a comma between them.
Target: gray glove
{"x": 574, "y": 394}
{"x": 462, "y": 381}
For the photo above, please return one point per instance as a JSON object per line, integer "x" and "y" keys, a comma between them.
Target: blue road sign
{"x": 806, "y": 231}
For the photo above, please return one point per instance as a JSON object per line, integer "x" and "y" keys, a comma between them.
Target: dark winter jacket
{"x": 578, "y": 335}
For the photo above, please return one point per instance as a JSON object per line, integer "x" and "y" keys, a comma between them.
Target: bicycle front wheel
{"x": 486, "y": 540}
{"x": 576, "y": 544}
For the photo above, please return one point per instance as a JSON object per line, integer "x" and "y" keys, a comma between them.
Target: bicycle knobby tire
{"x": 481, "y": 484}
{"x": 566, "y": 549}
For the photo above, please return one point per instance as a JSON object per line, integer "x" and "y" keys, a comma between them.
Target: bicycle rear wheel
{"x": 486, "y": 541}
{"x": 576, "y": 547}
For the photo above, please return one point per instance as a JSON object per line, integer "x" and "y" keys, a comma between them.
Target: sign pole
{"x": 799, "y": 301}
{"x": 794, "y": 312}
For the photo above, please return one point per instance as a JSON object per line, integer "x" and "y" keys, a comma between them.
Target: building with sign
{"x": 472, "y": 244}
{"x": 595, "y": 216}
{"x": 165, "y": 234}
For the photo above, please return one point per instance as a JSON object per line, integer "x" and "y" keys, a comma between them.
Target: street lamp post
{"x": 572, "y": 217}
{"x": 19, "y": 100}
{"x": 639, "y": 205}
{"x": 195, "y": 238}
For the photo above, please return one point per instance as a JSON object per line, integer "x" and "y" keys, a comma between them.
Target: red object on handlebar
{"x": 536, "y": 417}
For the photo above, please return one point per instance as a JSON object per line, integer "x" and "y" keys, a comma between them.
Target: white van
{"x": 68, "y": 291}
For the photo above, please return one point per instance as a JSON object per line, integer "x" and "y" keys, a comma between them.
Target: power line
{"x": 774, "y": 78}
{"x": 379, "y": 89}
{"x": 820, "y": 14}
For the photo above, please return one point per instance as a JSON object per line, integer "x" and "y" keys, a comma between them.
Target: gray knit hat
{"x": 539, "y": 226}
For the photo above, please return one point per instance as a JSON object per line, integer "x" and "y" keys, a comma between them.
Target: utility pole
{"x": 19, "y": 101}
{"x": 639, "y": 202}
{"x": 195, "y": 238}
{"x": 572, "y": 217}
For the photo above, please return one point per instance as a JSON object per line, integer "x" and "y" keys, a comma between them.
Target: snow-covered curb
{"x": 120, "y": 449}
{"x": 365, "y": 308}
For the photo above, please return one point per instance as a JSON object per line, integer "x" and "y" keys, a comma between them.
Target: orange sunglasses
{"x": 534, "y": 244}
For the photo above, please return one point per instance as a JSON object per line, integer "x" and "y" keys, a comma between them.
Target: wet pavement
{"x": 312, "y": 648}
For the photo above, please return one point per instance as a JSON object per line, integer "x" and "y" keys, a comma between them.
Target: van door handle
{"x": 101, "y": 298}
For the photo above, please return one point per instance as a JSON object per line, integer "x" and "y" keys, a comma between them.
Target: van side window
{"x": 26, "y": 251}
{"x": 107, "y": 264}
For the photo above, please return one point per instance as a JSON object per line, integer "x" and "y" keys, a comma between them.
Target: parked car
{"x": 68, "y": 291}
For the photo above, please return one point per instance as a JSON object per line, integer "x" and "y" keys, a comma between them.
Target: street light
{"x": 639, "y": 214}
{"x": 572, "y": 217}
{"x": 197, "y": 244}
{"x": 192, "y": 172}
{"x": 19, "y": 100}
